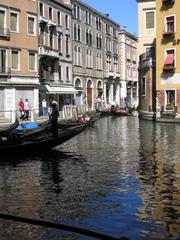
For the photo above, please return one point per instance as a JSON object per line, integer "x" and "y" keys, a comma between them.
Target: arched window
{"x": 78, "y": 83}
{"x": 89, "y": 84}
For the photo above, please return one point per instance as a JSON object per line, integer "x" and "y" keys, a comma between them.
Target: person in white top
{"x": 26, "y": 109}
{"x": 44, "y": 109}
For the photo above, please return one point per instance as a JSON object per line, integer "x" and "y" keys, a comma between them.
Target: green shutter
{"x": 14, "y": 22}
{"x": 15, "y": 60}
{"x": 2, "y": 22}
{"x": 31, "y": 61}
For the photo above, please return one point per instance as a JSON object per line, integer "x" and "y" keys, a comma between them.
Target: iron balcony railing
{"x": 168, "y": 1}
{"x": 147, "y": 60}
{"x": 4, "y": 32}
{"x": 5, "y": 71}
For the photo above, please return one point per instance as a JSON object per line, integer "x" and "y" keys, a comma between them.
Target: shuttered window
{"x": 2, "y": 15}
{"x": 32, "y": 61}
{"x": 14, "y": 18}
{"x": 15, "y": 59}
{"x": 31, "y": 25}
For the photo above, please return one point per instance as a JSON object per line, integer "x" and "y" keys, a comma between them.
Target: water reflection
{"x": 159, "y": 173}
{"x": 120, "y": 177}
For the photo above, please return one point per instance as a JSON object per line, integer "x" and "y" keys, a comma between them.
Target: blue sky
{"x": 123, "y": 12}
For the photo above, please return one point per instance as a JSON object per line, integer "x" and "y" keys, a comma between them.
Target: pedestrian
{"x": 44, "y": 108}
{"x": 26, "y": 109}
{"x": 21, "y": 108}
{"x": 54, "y": 119}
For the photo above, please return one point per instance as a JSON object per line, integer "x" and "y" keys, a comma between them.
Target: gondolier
{"x": 54, "y": 119}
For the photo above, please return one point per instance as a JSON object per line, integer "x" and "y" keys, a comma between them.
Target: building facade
{"x": 95, "y": 55}
{"x": 128, "y": 67}
{"x": 168, "y": 55}
{"x": 111, "y": 61}
{"x": 18, "y": 55}
{"x": 55, "y": 51}
{"x": 146, "y": 51}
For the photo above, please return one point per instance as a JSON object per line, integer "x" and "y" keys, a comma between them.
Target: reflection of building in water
{"x": 159, "y": 171}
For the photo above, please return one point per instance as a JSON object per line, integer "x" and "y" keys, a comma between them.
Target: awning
{"x": 60, "y": 90}
{"x": 169, "y": 59}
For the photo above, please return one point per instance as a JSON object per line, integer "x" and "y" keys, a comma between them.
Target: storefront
{"x": 63, "y": 95}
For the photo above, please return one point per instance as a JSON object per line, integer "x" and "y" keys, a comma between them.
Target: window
{"x": 60, "y": 73}
{"x": 2, "y": 21}
{"x": 89, "y": 37}
{"x": 31, "y": 25}
{"x": 51, "y": 39}
{"x": 169, "y": 63}
{"x": 77, "y": 56}
{"x": 32, "y": 61}
{"x": 67, "y": 74}
{"x": 98, "y": 41}
{"x": 60, "y": 43}
{"x": 67, "y": 21}
{"x": 107, "y": 29}
{"x": 98, "y": 23}
{"x": 15, "y": 59}
{"x": 150, "y": 20}
{"x": 14, "y": 22}
{"x": 108, "y": 44}
{"x": 50, "y": 13}
{"x": 41, "y": 9}
{"x": 67, "y": 45}
{"x": 115, "y": 64}
{"x": 114, "y": 32}
{"x": 77, "y": 32}
{"x": 76, "y": 11}
{"x": 143, "y": 86}
{"x": 89, "y": 58}
{"x": 169, "y": 25}
{"x": 99, "y": 61}
{"x": 3, "y": 60}
{"x": 170, "y": 98}
{"x": 115, "y": 47}
{"x": 108, "y": 63}
{"x": 59, "y": 18}
{"x": 88, "y": 18}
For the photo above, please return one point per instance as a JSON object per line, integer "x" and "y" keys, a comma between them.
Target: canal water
{"x": 120, "y": 177}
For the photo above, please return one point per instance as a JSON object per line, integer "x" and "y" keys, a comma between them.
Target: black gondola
{"x": 8, "y": 130}
{"x": 35, "y": 141}
{"x": 122, "y": 111}
{"x": 70, "y": 123}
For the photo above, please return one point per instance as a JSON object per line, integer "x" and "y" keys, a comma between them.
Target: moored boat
{"x": 8, "y": 130}
{"x": 87, "y": 121}
{"x": 122, "y": 112}
{"x": 39, "y": 142}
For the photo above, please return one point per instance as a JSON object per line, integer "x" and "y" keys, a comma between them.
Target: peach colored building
{"x": 146, "y": 51}
{"x": 18, "y": 55}
{"x": 168, "y": 55}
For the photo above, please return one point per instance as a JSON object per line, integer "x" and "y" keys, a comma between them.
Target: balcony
{"x": 146, "y": 60}
{"x": 43, "y": 20}
{"x": 168, "y": 1}
{"x": 109, "y": 74}
{"x": 117, "y": 75}
{"x": 5, "y": 72}
{"x": 169, "y": 68}
{"x": 169, "y": 34}
{"x": 5, "y": 33}
{"x": 52, "y": 23}
{"x": 48, "y": 51}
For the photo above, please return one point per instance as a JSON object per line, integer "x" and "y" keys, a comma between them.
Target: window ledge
{"x": 166, "y": 34}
